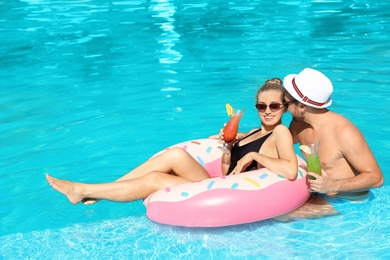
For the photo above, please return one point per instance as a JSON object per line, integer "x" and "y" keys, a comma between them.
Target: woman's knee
{"x": 153, "y": 178}
{"x": 177, "y": 153}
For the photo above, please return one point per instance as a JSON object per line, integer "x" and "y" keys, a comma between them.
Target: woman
{"x": 271, "y": 146}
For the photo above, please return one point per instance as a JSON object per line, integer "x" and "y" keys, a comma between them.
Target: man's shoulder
{"x": 343, "y": 129}
{"x": 340, "y": 121}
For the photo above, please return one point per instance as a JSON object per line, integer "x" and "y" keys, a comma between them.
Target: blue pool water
{"x": 89, "y": 89}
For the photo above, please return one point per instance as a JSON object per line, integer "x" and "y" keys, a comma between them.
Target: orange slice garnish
{"x": 229, "y": 109}
{"x": 305, "y": 148}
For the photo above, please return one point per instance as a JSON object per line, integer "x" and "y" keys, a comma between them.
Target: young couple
{"x": 349, "y": 167}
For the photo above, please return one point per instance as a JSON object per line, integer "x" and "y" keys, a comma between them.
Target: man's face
{"x": 293, "y": 106}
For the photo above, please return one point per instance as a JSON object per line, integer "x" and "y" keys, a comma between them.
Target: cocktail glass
{"x": 231, "y": 129}
{"x": 313, "y": 162}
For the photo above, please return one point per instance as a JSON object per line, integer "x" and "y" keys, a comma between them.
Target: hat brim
{"x": 287, "y": 83}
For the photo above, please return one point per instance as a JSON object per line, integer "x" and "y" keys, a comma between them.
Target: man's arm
{"x": 357, "y": 153}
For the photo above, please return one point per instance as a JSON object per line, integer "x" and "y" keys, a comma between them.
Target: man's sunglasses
{"x": 274, "y": 107}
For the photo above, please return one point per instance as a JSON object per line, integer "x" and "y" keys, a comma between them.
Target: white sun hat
{"x": 310, "y": 87}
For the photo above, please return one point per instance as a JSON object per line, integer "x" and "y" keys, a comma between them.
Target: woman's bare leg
{"x": 172, "y": 167}
{"x": 175, "y": 160}
{"x": 120, "y": 191}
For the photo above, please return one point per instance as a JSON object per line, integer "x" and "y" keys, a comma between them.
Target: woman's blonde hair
{"x": 272, "y": 84}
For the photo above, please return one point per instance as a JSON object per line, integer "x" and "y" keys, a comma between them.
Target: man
{"x": 349, "y": 169}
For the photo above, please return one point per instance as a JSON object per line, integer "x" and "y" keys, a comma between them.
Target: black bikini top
{"x": 240, "y": 151}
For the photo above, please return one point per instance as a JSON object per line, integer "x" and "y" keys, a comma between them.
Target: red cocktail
{"x": 231, "y": 129}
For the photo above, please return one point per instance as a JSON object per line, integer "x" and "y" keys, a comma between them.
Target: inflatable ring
{"x": 226, "y": 200}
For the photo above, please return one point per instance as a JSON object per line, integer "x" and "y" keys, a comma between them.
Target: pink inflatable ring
{"x": 226, "y": 200}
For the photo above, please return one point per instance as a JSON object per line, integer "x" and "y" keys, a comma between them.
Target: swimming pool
{"x": 90, "y": 89}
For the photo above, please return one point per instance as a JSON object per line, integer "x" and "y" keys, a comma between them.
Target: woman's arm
{"x": 286, "y": 164}
{"x": 226, "y": 157}
{"x": 225, "y": 163}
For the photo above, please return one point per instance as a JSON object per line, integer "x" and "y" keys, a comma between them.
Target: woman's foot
{"x": 69, "y": 189}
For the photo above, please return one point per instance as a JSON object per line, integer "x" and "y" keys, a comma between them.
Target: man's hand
{"x": 322, "y": 183}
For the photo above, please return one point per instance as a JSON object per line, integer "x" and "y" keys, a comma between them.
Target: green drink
{"x": 313, "y": 163}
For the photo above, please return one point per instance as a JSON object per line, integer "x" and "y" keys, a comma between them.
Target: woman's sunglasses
{"x": 273, "y": 106}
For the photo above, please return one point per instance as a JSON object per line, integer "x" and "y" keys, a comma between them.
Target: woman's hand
{"x": 243, "y": 163}
{"x": 220, "y": 135}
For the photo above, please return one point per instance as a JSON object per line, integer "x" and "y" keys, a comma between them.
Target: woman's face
{"x": 270, "y": 107}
